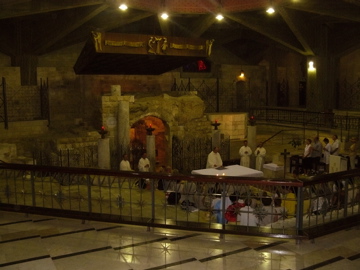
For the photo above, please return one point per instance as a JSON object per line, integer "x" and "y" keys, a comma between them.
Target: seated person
{"x": 217, "y": 207}
{"x": 247, "y": 216}
{"x": 267, "y": 210}
{"x": 233, "y": 210}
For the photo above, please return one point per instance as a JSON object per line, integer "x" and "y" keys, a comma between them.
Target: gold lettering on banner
{"x": 186, "y": 47}
{"x": 97, "y": 40}
{"x": 124, "y": 43}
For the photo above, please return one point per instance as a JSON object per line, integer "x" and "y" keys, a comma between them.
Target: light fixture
{"x": 219, "y": 17}
{"x": 123, "y": 7}
{"x": 241, "y": 76}
{"x": 164, "y": 16}
{"x": 311, "y": 66}
{"x": 270, "y": 10}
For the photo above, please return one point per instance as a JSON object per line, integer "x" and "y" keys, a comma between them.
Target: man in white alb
{"x": 245, "y": 153}
{"x": 260, "y": 153}
{"x": 214, "y": 159}
{"x": 144, "y": 163}
{"x": 125, "y": 164}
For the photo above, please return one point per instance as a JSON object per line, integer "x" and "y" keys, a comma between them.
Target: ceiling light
{"x": 219, "y": 17}
{"x": 123, "y": 7}
{"x": 270, "y": 10}
{"x": 311, "y": 66}
{"x": 164, "y": 16}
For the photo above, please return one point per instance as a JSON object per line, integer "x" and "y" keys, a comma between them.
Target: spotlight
{"x": 270, "y": 10}
{"x": 123, "y": 7}
{"x": 164, "y": 16}
{"x": 219, "y": 17}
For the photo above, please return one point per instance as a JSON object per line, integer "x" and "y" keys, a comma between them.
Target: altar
{"x": 232, "y": 170}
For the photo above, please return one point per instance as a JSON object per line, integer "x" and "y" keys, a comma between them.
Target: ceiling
{"x": 37, "y": 27}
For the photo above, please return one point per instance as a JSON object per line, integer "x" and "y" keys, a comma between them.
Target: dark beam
{"x": 271, "y": 31}
{"x": 15, "y": 8}
{"x": 69, "y": 28}
{"x": 333, "y": 8}
{"x": 295, "y": 24}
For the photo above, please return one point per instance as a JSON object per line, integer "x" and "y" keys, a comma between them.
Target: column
{"x": 104, "y": 153}
{"x": 123, "y": 128}
{"x": 216, "y": 135}
{"x": 150, "y": 150}
{"x": 251, "y": 138}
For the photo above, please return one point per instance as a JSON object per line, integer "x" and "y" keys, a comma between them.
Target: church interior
{"x": 84, "y": 82}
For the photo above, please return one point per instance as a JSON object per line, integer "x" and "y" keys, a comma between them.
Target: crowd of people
{"x": 214, "y": 158}
{"x": 315, "y": 152}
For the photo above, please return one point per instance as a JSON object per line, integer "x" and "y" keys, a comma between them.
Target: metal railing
{"x": 315, "y": 120}
{"x": 279, "y": 208}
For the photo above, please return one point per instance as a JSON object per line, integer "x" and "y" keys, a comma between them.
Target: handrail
{"x": 116, "y": 196}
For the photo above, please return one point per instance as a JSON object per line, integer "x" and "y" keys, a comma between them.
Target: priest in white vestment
{"x": 245, "y": 153}
{"x": 260, "y": 153}
{"x": 214, "y": 159}
{"x": 125, "y": 164}
{"x": 144, "y": 163}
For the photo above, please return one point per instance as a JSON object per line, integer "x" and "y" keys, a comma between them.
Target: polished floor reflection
{"x": 43, "y": 242}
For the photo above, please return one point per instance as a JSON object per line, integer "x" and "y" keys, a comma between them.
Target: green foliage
{"x": 295, "y": 142}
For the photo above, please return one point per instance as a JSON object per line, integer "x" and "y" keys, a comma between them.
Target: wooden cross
{"x": 285, "y": 153}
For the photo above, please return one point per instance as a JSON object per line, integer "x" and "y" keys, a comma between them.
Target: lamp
{"x": 219, "y": 17}
{"x": 311, "y": 66}
{"x": 270, "y": 10}
{"x": 123, "y": 7}
{"x": 164, "y": 14}
{"x": 241, "y": 76}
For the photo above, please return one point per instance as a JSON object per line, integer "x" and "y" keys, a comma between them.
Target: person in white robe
{"x": 214, "y": 159}
{"x": 144, "y": 163}
{"x": 260, "y": 153}
{"x": 125, "y": 164}
{"x": 245, "y": 153}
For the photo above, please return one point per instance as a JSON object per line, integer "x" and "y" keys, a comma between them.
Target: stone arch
{"x": 138, "y": 134}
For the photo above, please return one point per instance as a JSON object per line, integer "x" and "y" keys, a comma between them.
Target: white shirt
{"x": 125, "y": 165}
{"x": 214, "y": 160}
{"x": 142, "y": 163}
{"x": 335, "y": 145}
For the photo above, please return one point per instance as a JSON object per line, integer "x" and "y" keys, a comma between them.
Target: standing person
{"x": 245, "y": 153}
{"x": 335, "y": 147}
{"x": 214, "y": 159}
{"x": 306, "y": 159}
{"x": 125, "y": 164}
{"x": 260, "y": 153}
{"x": 352, "y": 154}
{"x": 327, "y": 150}
{"x": 144, "y": 163}
{"x": 316, "y": 153}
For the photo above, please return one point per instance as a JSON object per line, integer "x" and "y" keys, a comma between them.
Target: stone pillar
{"x": 251, "y": 138}
{"x": 150, "y": 150}
{"x": 104, "y": 153}
{"x": 123, "y": 127}
{"x": 216, "y": 135}
{"x": 115, "y": 90}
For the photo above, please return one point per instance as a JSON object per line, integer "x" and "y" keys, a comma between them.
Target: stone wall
{"x": 232, "y": 124}
{"x": 183, "y": 114}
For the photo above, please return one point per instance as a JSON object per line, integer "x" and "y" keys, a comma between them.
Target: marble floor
{"x": 44, "y": 242}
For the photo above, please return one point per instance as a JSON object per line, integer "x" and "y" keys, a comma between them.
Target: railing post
{"x": 223, "y": 209}
{"x": 299, "y": 210}
{"x": 6, "y": 120}
{"x": 33, "y": 191}
{"x": 88, "y": 181}
{"x": 151, "y": 221}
